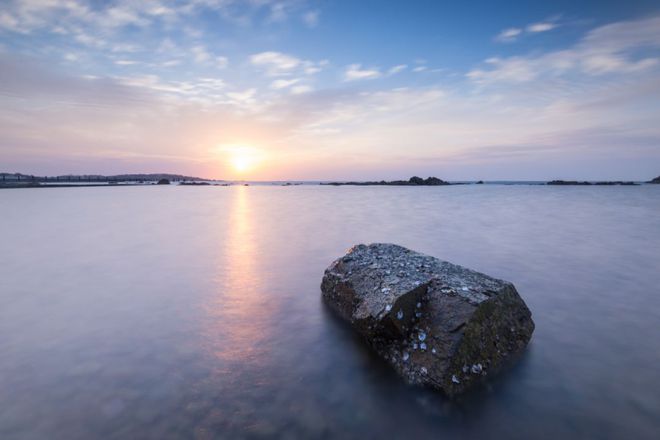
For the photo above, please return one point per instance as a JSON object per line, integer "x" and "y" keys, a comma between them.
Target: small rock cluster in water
{"x": 414, "y": 310}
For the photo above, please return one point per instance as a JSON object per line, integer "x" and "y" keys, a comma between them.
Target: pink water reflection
{"x": 239, "y": 313}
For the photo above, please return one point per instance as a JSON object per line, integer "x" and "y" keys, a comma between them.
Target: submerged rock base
{"x": 438, "y": 324}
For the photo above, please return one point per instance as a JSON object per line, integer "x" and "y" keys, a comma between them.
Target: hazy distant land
{"x": 20, "y": 177}
{"x": 20, "y": 180}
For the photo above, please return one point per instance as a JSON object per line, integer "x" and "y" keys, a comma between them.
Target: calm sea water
{"x": 195, "y": 312}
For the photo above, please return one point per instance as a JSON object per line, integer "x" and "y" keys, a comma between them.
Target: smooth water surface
{"x": 195, "y": 312}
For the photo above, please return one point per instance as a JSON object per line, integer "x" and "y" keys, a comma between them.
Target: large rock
{"x": 436, "y": 323}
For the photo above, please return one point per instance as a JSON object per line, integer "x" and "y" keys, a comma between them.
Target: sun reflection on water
{"x": 239, "y": 312}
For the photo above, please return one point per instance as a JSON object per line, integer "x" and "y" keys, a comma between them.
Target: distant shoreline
{"x": 16, "y": 180}
{"x": 69, "y": 185}
{"x": 298, "y": 183}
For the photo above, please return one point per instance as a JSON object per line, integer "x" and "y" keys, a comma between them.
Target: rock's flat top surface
{"x": 392, "y": 270}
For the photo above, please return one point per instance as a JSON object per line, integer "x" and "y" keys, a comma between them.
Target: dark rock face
{"x": 430, "y": 181}
{"x": 163, "y": 182}
{"x": 656, "y": 180}
{"x": 438, "y": 324}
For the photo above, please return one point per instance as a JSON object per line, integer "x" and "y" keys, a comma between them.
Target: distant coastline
{"x": 434, "y": 181}
{"x": 20, "y": 177}
{"x": 19, "y": 180}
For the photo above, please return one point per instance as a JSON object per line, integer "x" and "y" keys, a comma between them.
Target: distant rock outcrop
{"x": 436, "y": 323}
{"x": 567, "y": 182}
{"x": 413, "y": 181}
{"x": 656, "y": 180}
{"x": 163, "y": 182}
{"x": 575, "y": 182}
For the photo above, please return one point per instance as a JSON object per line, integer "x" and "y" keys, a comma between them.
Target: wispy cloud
{"x": 356, "y": 72}
{"x": 541, "y": 27}
{"x": 513, "y": 33}
{"x": 397, "y": 69}
{"x": 301, "y": 89}
{"x": 509, "y": 34}
{"x": 200, "y": 54}
{"x": 280, "y": 64}
{"x": 605, "y": 50}
{"x": 278, "y": 12}
{"x": 283, "y": 83}
{"x": 243, "y": 97}
{"x": 311, "y": 18}
{"x": 275, "y": 63}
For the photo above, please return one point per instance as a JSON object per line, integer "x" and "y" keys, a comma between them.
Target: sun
{"x": 241, "y": 158}
{"x": 241, "y": 163}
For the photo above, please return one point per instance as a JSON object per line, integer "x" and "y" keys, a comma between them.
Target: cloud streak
{"x": 512, "y": 34}
{"x": 355, "y": 72}
{"x": 611, "y": 49}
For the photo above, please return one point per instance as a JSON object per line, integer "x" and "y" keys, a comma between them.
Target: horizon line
{"x": 189, "y": 177}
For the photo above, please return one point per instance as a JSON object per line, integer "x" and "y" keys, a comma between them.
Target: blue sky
{"x": 284, "y": 89}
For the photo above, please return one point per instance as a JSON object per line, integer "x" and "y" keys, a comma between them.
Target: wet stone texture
{"x": 438, "y": 324}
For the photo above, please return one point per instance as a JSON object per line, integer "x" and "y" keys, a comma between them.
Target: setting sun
{"x": 241, "y": 163}
{"x": 241, "y": 158}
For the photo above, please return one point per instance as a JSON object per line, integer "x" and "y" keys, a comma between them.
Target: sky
{"x": 323, "y": 90}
